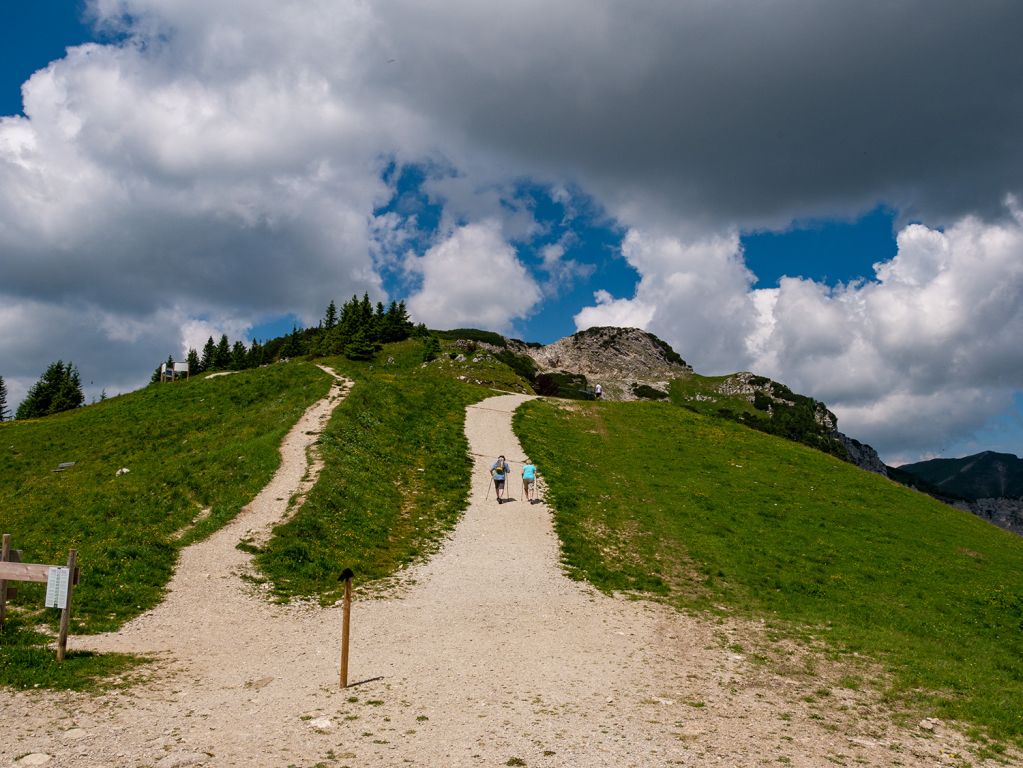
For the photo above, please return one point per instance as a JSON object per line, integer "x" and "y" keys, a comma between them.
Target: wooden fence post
{"x": 65, "y": 614}
{"x": 346, "y": 622}
{"x": 6, "y": 552}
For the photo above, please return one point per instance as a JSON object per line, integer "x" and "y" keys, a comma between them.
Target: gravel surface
{"x": 486, "y": 655}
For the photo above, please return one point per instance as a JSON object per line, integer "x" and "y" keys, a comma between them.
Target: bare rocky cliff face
{"x": 619, "y": 359}
{"x": 1005, "y": 513}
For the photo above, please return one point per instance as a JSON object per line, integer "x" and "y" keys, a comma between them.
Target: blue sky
{"x": 33, "y": 35}
{"x": 199, "y": 173}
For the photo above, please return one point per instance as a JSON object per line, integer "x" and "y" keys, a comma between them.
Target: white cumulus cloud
{"x": 926, "y": 352}
{"x": 473, "y": 278}
{"x": 693, "y": 294}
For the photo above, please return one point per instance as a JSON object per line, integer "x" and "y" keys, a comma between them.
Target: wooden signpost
{"x": 60, "y": 583}
{"x": 346, "y": 621}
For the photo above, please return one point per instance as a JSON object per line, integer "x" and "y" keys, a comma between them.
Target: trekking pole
{"x": 489, "y": 483}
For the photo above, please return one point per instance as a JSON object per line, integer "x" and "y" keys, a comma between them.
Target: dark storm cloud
{"x": 745, "y": 112}
{"x": 213, "y": 167}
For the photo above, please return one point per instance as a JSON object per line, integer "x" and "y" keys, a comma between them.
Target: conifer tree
{"x": 293, "y": 346}
{"x": 360, "y": 347}
{"x": 330, "y": 316}
{"x": 365, "y": 313}
{"x": 222, "y": 356}
{"x": 209, "y": 354}
{"x": 239, "y": 356}
{"x": 193, "y": 362}
{"x": 59, "y": 389}
{"x": 396, "y": 325}
{"x": 431, "y": 347}
{"x": 255, "y": 354}
{"x": 5, "y": 412}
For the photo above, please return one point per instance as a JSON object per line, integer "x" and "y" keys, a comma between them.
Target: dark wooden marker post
{"x": 346, "y": 622}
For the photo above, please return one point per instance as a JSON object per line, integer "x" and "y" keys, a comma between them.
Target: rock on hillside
{"x": 862, "y": 455}
{"x": 619, "y": 359}
{"x": 1005, "y": 513}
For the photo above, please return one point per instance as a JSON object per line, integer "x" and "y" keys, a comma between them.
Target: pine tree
{"x": 255, "y": 354}
{"x": 396, "y": 325}
{"x": 194, "y": 366}
{"x": 365, "y": 314}
{"x": 222, "y": 356}
{"x": 239, "y": 356}
{"x": 209, "y": 354}
{"x": 5, "y": 412}
{"x": 376, "y": 329}
{"x": 330, "y": 316}
{"x": 360, "y": 347}
{"x": 431, "y": 348}
{"x": 59, "y": 389}
{"x": 293, "y": 345}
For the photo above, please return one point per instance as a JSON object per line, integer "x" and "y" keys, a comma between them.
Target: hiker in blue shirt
{"x": 499, "y": 470}
{"x": 529, "y": 481}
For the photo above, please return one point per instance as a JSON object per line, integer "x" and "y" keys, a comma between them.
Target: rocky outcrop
{"x": 862, "y": 455}
{"x": 1005, "y": 513}
{"x": 623, "y": 361}
{"x": 767, "y": 394}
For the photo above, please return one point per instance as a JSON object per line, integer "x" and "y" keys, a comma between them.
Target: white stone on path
{"x": 36, "y": 758}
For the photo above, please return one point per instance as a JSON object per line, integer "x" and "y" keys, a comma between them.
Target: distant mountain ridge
{"x": 988, "y": 484}
{"x": 985, "y": 475}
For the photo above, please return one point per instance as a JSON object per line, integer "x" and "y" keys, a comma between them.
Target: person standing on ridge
{"x": 529, "y": 481}
{"x": 499, "y": 471}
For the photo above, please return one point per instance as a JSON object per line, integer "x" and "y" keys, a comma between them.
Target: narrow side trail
{"x": 488, "y": 656}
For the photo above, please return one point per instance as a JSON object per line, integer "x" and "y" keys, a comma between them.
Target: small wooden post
{"x": 4, "y": 554}
{"x": 65, "y": 614}
{"x": 346, "y": 622}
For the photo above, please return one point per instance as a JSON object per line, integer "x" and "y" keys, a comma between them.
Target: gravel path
{"x": 486, "y": 655}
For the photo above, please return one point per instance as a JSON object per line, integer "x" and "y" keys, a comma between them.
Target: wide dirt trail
{"x": 486, "y": 655}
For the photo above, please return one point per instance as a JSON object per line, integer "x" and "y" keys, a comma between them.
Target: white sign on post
{"x": 57, "y": 579}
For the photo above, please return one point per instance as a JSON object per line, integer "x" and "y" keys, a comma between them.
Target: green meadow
{"x": 706, "y": 514}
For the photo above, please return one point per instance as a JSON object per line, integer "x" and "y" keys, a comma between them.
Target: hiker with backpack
{"x": 529, "y": 481}
{"x": 499, "y": 471}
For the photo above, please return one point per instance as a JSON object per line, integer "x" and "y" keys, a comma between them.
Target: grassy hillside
{"x": 702, "y": 512}
{"x": 396, "y": 477}
{"x": 204, "y": 444}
